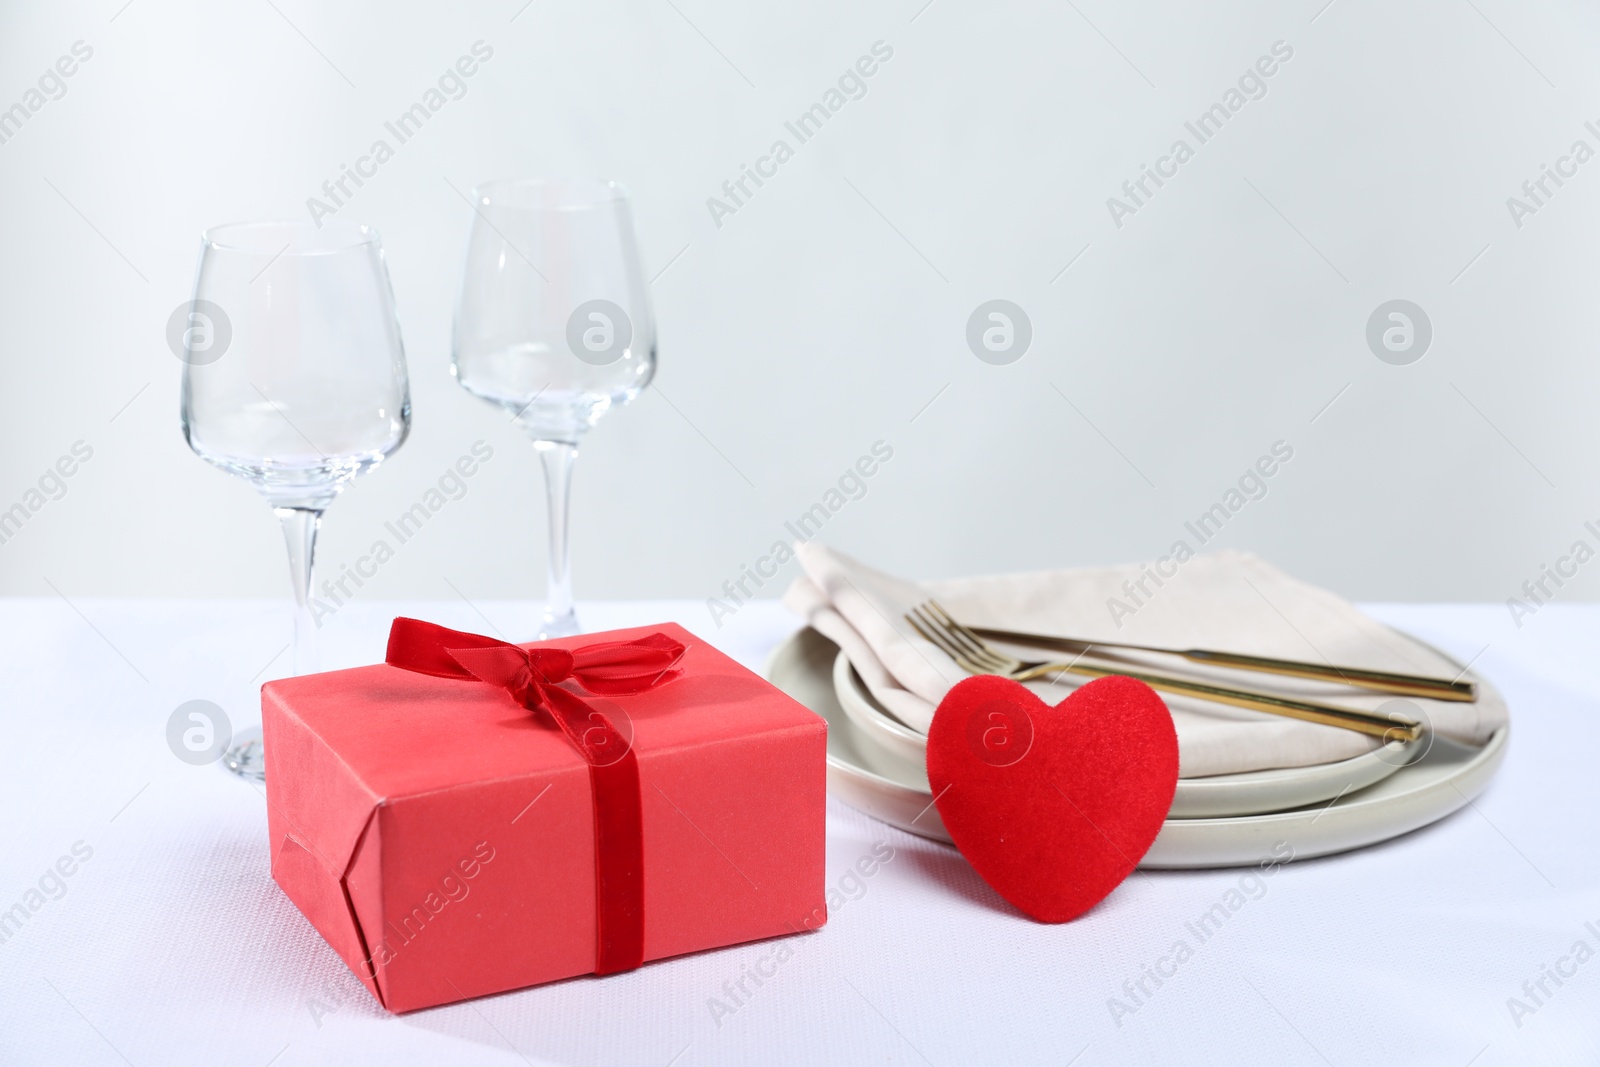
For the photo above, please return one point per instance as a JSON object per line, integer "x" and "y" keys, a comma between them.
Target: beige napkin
{"x": 1229, "y": 601}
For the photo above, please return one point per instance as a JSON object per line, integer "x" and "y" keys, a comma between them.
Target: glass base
{"x": 246, "y": 757}
{"x": 564, "y": 625}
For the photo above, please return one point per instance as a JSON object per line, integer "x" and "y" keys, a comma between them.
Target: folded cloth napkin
{"x": 1228, "y": 601}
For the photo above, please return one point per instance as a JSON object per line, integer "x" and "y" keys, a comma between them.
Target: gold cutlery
{"x": 975, "y": 656}
{"x": 1411, "y": 685}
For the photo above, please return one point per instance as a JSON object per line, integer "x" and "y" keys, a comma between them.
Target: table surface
{"x": 170, "y": 943}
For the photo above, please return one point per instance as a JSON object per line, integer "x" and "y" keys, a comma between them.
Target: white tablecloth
{"x": 170, "y": 944}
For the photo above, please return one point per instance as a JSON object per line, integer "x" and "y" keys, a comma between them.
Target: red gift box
{"x": 449, "y": 840}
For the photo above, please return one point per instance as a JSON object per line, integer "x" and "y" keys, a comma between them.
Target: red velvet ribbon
{"x": 532, "y": 677}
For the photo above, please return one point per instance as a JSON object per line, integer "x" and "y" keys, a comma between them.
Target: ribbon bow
{"x": 532, "y": 677}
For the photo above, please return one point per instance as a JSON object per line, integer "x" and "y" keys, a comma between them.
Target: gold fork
{"x": 975, "y": 656}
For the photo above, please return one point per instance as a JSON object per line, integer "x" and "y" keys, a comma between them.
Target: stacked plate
{"x": 876, "y": 763}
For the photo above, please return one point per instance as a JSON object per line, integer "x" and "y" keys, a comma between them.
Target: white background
{"x": 831, "y": 309}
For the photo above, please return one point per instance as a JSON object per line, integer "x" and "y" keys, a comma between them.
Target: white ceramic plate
{"x": 1444, "y": 779}
{"x": 881, "y": 735}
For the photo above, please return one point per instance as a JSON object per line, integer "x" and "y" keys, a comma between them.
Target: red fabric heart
{"x": 1053, "y": 806}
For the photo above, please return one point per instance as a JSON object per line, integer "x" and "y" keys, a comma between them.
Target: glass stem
{"x": 557, "y": 458}
{"x": 300, "y": 536}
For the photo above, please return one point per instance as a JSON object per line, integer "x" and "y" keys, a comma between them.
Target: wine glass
{"x": 553, "y": 324}
{"x": 294, "y": 378}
